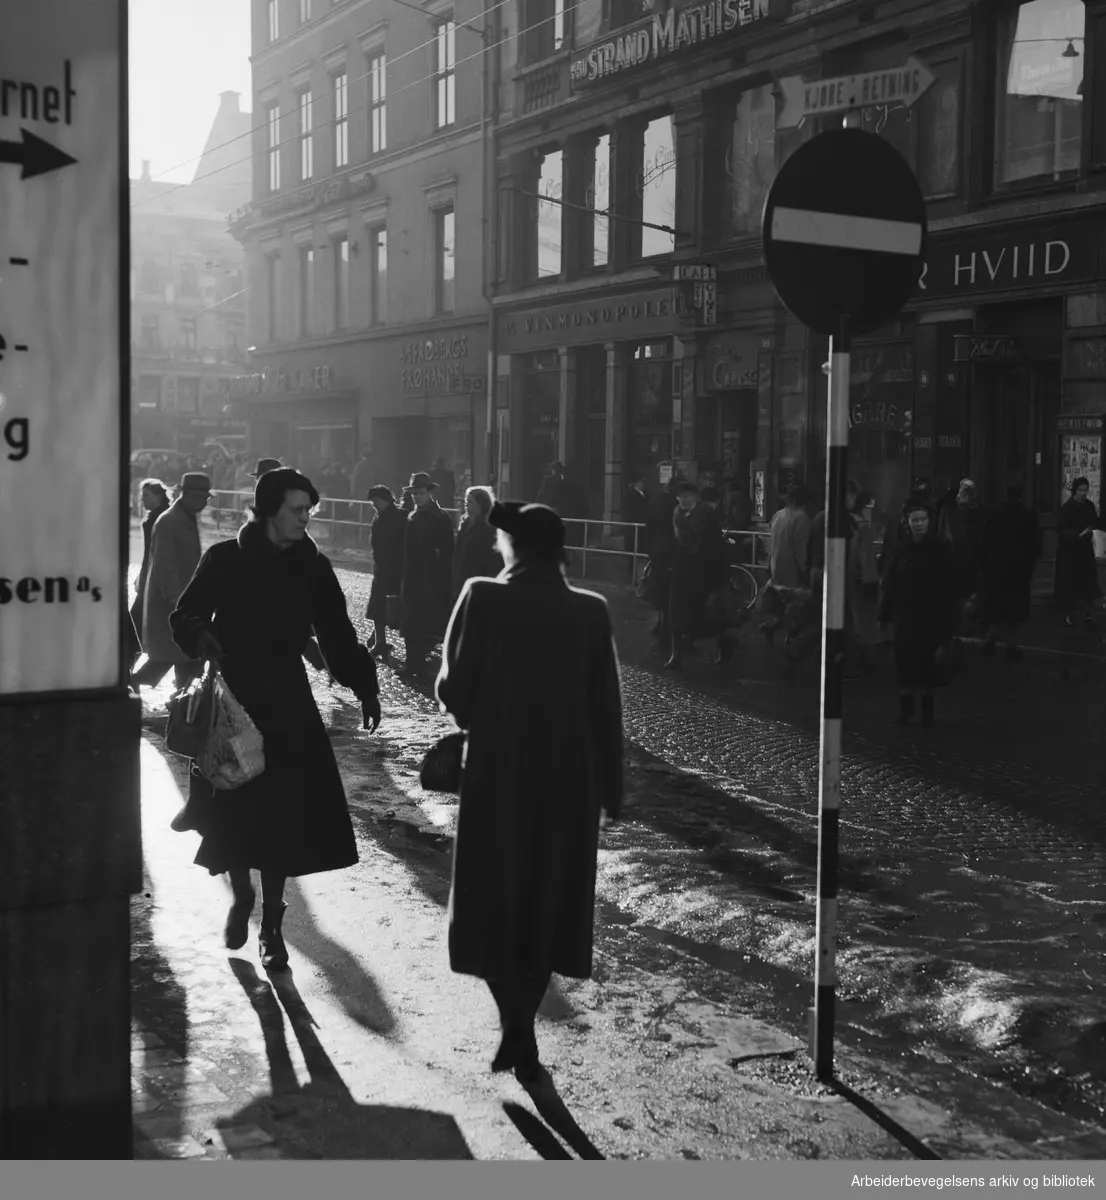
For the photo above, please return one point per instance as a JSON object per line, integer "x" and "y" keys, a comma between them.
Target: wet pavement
{"x": 973, "y": 909}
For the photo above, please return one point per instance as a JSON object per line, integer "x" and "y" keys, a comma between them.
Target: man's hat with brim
{"x": 195, "y": 481}
{"x": 420, "y": 479}
{"x": 265, "y": 465}
{"x": 531, "y": 524}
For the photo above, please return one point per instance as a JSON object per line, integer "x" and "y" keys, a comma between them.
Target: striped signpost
{"x": 844, "y": 233}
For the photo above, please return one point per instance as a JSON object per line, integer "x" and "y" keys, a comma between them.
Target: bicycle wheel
{"x": 744, "y": 583}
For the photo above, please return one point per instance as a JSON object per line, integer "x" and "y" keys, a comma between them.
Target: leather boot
{"x": 906, "y": 710}
{"x": 236, "y": 932}
{"x": 274, "y": 954}
{"x": 927, "y": 711}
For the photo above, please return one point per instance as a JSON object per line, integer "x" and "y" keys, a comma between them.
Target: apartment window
{"x": 616, "y": 13}
{"x": 1039, "y": 91}
{"x": 545, "y": 28}
{"x": 307, "y": 291}
{"x": 274, "y": 147}
{"x": 378, "y": 275}
{"x": 188, "y": 335}
{"x": 549, "y": 210}
{"x": 274, "y": 20}
{"x": 445, "y": 73}
{"x": 750, "y": 161}
{"x": 341, "y": 283}
{"x": 444, "y": 261}
{"x": 188, "y": 395}
{"x": 378, "y": 110}
{"x": 656, "y": 186}
{"x": 188, "y": 280}
{"x": 341, "y": 120}
{"x": 599, "y": 201}
{"x": 272, "y": 295}
{"x": 151, "y": 333}
{"x": 305, "y": 11}
{"x": 307, "y": 136}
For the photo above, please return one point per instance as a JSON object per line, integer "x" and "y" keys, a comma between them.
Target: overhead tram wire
{"x": 260, "y": 128}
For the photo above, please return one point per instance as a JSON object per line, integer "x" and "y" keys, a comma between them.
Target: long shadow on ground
{"x": 321, "y": 1119}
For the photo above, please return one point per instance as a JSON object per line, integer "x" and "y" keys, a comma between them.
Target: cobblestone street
{"x": 970, "y": 948}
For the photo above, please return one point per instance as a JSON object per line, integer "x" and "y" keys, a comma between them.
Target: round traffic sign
{"x": 844, "y": 232}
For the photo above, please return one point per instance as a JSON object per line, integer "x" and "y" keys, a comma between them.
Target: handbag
{"x": 234, "y": 751}
{"x": 190, "y": 714}
{"x": 441, "y": 768}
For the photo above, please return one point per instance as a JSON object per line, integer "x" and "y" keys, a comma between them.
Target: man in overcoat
{"x": 698, "y": 569}
{"x": 155, "y": 500}
{"x": 174, "y": 557}
{"x": 388, "y": 533}
{"x": 530, "y": 673}
{"x": 427, "y": 586}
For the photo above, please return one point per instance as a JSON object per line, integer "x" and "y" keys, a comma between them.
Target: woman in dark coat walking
{"x": 250, "y": 607}
{"x": 427, "y": 588}
{"x": 389, "y": 530}
{"x": 1076, "y": 569}
{"x": 1009, "y": 552}
{"x": 920, "y": 595}
{"x": 530, "y": 673}
{"x": 475, "y": 554}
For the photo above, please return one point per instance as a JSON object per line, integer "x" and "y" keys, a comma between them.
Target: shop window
{"x": 750, "y": 160}
{"x": 656, "y": 187}
{"x": 544, "y": 29}
{"x": 1039, "y": 91}
{"x": 549, "y": 212}
{"x": 650, "y": 385}
{"x": 598, "y": 199}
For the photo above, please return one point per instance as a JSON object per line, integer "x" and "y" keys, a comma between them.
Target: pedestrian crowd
{"x": 528, "y": 669}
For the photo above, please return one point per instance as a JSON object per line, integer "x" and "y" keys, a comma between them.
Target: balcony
{"x": 542, "y": 85}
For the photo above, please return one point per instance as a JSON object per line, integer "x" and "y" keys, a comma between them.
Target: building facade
{"x": 368, "y": 319}
{"x": 188, "y": 297}
{"x": 636, "y": 329}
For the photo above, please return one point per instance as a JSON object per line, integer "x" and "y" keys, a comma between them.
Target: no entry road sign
{"x": 844, "y": 232}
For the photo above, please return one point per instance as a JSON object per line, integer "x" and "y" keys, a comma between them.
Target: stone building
{"x": 188, "y": 296}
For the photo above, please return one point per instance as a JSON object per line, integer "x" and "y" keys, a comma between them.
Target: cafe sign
{"x": 979, "y": 347}
{"x": 663, "y": 34}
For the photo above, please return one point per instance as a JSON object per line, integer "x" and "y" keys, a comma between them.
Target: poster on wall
{"x": 61, "y": 386}
{"x": 1081, "y": 455}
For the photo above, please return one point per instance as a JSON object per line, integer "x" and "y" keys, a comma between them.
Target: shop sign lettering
{"x": 279, "y": 380}
{"x": 663, "y": 34}
{"x": 867, "y": 414}
{"x": 434, "y": 350}
{"x": 971, "y": 347}
{"x": 548, "y": 327}
{"x": 316, "y": 195}
{"x": 993, "y": 264}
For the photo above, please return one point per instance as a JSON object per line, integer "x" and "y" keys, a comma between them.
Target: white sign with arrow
{"x": 893, "y": 86}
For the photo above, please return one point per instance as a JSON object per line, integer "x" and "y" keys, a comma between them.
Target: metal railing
{"x": 346, "y": 524}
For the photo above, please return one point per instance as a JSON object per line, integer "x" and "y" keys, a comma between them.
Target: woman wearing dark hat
{"x": 1076, "y": 569}
{"x": 427, "y": 588}
{"x": 920, "y": 597}
{"x": 389, "y": 528}
{"x": 475, "y": 553}
{"x": 530, "y": 673}
{"x": 249, "y": 608}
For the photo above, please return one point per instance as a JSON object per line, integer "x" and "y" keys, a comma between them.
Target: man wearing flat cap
{"x": 427, "y": 585}
{"x": 174, "y": 556}
{"x": 530, "y": 673}
{"x": 388, "y": 533}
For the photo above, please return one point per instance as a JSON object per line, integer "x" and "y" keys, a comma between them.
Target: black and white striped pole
{"x": 844, "y": 257}
{"x": 833, "y": 676}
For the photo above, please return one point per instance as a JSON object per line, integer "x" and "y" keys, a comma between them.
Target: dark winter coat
{"x": 920, "y": 594}
{"x": 698, "y": 569}
{"x": 1076, "y": 569}
{"x": 475, "y": 554}
{"x": 261, "y": 604}
{"x": 660, "y": 537}
{"x": 530, "y": 672}
{"x": 387, "y": 537}
{"x": 427, "y": 586}
{"x": 174, "y": 555}
{"x": 144, "y": 570}
{"x": 1011, "y": 547}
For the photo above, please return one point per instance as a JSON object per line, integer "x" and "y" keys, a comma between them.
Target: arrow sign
{"x": 895, "y": 85}
{"x": 35, "y": 156}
